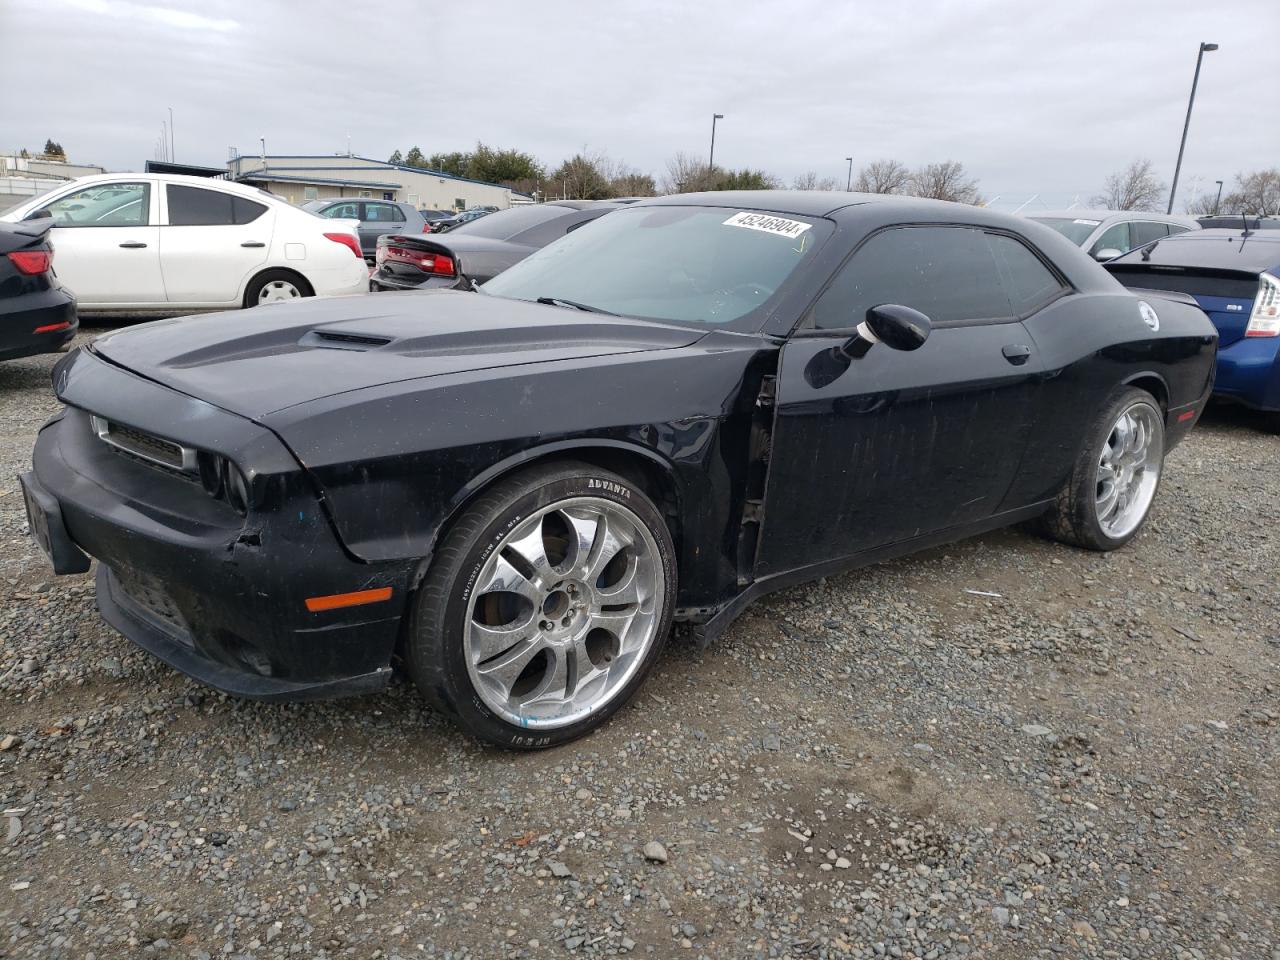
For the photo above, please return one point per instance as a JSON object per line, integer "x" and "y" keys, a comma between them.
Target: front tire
{"x": 1113, "y": 483}
{"x": 545, "y": 608}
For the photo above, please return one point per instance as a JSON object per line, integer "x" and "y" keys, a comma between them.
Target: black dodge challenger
{"x": 674, "y": 410}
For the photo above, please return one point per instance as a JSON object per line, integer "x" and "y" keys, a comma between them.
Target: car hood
{"x": 259, "y": 361}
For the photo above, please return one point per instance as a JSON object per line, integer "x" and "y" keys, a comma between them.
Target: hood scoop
{"x": 335, "y": 339}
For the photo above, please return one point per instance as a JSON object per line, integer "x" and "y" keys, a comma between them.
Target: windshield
{"x": 1077, "y": 231}
{"x": 691, "y": 264}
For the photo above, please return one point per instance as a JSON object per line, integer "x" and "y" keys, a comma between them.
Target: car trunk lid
{"x": 1227, "y": 296}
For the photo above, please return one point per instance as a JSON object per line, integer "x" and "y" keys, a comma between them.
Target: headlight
{"x": 223, "y": 480}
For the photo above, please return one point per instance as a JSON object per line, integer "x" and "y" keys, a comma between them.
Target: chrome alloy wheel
{"x": 564, "y": 612}
{"x": 278, "y": 291}
{"x": 1129, "y": 470}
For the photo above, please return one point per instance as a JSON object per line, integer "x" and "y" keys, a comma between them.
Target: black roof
{"x": 1215, "y": 249}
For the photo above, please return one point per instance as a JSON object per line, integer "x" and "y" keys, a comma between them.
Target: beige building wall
{"x": 302, "y": 178}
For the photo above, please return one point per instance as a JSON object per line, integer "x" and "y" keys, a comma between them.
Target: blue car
{"x": 1234, "y": 275}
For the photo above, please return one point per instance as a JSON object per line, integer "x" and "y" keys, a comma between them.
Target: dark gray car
{"x": 377, "y": 218}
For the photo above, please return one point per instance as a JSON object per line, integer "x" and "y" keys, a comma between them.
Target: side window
{"x": 1114, "y": 238}
{"x": 947, "y": 273}
{"x": 1176, "y": 228}
{"x": 195, "y": 207}
{"x": 1027, "y": 281}
{"x": 110, "y": 205}
{"x": 342, "y": 211}
{"x": 382, "y": 213}
{"x": 246, "y": 211}
{"x": 1144, "y": 231}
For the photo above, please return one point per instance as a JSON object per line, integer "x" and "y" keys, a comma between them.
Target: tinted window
{"x": 693, "y": 264}
{"x": 1176, "y": 228}
{"x": 109, "y": 205}
{"x": 1113, "y": 238}
{"x": 543, "y": 234}
{"x": 195, "y": 207}
{"x": 506, "y": 224}
{"x": 1028, "y": 283}
{"x": 246, "y": 211}
{"x": 383, "y": 213}
{"x": 947, "y": 273}
{"x": 1145, "y": 231}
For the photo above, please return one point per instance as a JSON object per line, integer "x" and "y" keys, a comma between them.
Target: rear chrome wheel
{"x": 1129, "y": 470}
{"x": 1115, "y": 476}
{"x": 564, "y": 611}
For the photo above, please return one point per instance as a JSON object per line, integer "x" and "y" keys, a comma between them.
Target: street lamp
{"x": 714, "y": 117}
{"x": 848, "y": 183}
{"x": 1204, "y": 48}
{"x": 1219, "y": 199}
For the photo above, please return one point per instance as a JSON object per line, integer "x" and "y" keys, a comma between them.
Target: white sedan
{"x": 155, "y": 243}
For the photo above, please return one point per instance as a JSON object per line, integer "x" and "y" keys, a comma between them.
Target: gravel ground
{"x": 880, "y": 764}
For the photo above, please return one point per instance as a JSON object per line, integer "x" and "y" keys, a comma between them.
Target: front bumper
{"x": 1249, "y": 372}
{"x": 218, "y": 596}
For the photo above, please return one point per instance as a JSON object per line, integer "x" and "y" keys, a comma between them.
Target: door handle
{"x": 1016, "y": 353}
{"x": 253, "y": 243}
{"x": 133, "y": 245}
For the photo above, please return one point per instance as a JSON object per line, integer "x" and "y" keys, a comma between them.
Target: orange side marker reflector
{"x": 50, "y": 327}
{"x": 1183, "y": 417}
{"x": 337, "y": 600}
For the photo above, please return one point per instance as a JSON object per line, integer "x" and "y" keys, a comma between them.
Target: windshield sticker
{"x": 1087, "y": 223}
{"x": 780, "y": 226}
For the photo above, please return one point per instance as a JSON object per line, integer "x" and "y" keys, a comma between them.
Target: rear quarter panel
{"x": 1092, "y": 344}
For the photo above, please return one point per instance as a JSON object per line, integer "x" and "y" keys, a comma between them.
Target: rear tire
{"x": 276, "y": 286}
{"x": 1116, "y": 475}
{"x": 546, "y": 606}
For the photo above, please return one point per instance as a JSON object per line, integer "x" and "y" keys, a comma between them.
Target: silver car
{"x": 1106, "y": 234}
{"x": 377, "y": 218}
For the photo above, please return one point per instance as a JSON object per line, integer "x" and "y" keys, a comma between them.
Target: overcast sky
{"x": 1032, "y": 97}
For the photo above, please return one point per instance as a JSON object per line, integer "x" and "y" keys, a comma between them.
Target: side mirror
{"x": 894, "y": 325}
{"x": 40, "y": 214}
{"x": 1107, "y": 253}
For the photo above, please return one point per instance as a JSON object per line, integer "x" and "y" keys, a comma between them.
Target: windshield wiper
{"x": 562, "y": 302}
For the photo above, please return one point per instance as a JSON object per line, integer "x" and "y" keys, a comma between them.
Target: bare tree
{"x": 1136, "y": 187}
{"x": 632, "y": 184}
{"x": 686, "y": 174}
{"x": 810, "y": 181}
{"x": 1256, "y": 193}
{"x": 944, "y": 181}
{"x": 882, "y": 176}
{"x": 1201, "y": 204}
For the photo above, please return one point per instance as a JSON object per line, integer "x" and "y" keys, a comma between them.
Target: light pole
{"x": 848, "y": 183}
{"x": 1191, "y": 101}
{"x": 1219, "y": 198}
{"x": 711, "y": 163}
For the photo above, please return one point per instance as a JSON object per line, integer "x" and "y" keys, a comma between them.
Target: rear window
{"x": 1197, "y": 283}
{"x": 507, "y": 223}
{"x": 1077, "y": 231}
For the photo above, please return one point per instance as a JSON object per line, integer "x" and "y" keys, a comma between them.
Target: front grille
{"x": 146, "y": 446}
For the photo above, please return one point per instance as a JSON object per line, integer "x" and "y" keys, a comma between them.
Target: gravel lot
{"x": 881, "y": 764}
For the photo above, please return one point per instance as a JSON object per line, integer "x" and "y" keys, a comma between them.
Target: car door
{"x": 108, "y": 244}
{"x": 378, "y": 219}
{"x": 212, "y": 242}
{"x": 893, "y": 446}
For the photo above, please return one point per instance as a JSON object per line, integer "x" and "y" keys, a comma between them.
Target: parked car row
{"x": 153, "y": 243}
